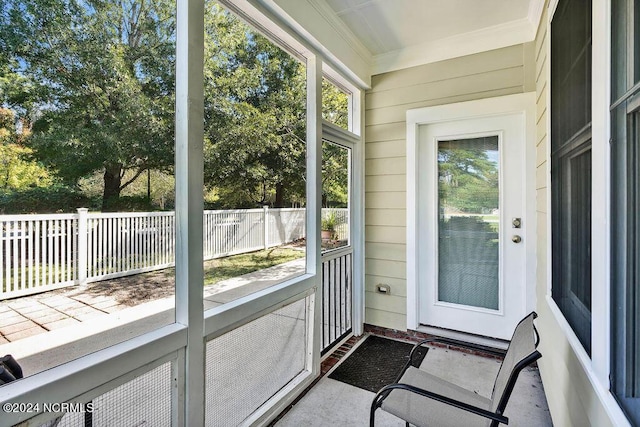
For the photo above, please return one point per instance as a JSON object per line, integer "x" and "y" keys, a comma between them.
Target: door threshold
{"x": 465, "y": 337}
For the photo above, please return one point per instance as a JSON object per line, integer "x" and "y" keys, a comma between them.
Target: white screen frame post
{"x": 190, "y": 205}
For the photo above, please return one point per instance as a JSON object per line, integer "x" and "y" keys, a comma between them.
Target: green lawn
{"x": 220, "y": 269}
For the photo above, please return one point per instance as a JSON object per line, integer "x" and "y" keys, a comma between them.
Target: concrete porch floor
{"x": 333, "y": 403}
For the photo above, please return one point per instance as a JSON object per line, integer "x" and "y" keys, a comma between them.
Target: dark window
{"x": 571, "y": 164}
{"x": 625, "y": 206}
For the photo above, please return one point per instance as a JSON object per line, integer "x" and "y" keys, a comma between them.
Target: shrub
{"x": 58, "y": 198}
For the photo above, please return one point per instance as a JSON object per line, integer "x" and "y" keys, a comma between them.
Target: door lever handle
{"x": 516, "y": 239}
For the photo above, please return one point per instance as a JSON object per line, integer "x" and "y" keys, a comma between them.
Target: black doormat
{"x": 375, "y": 363}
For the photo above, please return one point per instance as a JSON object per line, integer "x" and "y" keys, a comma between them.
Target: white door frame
{"x": 518, "y": 103}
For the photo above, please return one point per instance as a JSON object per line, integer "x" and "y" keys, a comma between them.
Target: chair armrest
{"x": 384, "y": 392}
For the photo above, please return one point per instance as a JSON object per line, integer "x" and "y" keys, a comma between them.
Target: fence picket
{"x": 23, "y": 248}
{"x": 42, "y": 252}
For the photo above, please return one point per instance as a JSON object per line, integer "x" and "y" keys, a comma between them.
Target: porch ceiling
{"x": 404, "y": 33}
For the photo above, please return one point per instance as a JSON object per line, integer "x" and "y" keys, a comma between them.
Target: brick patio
{"x": 27, "y": 316}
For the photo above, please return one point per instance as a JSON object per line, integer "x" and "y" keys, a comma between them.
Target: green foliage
{"x": 133, "y": 204}
{"x": 18, "y": 170}
{"x": 53, "y": 199}
{"x": 162, "y": 186}
{"x": 255, "y": 101}
{"x": 335, "y": 175}
{"x": 7, "y": 123}
{"x": 96, "y": 79}
{"x": 468, "y": 179}
{"x": 335, "y": 105}
{"x": 226, "y": 268}
{"x": 101, "y": 74}
{"x": 329, "y": 221}
{"x": 16, "y": 91}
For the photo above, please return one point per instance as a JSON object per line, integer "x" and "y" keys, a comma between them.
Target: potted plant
{"x": 328, "y": 225}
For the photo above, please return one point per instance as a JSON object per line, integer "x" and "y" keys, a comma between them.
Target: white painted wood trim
{"x": 229, "y": 316}
{"x": 340, "y": 28}
{"x": 190, "y": 202}
{"x": 552, "y": 7}
{"x": 606, "y": 398}
{"x": 496, "y": 37}
{"x": 601, "y": 197}
{"x": 70, "y": 380}
{"x": 597, "y": 367}
{"x": 335, "y": 133}
{"x": 278, "y": 21}
{"x": 517, "y": 103}
{"x": 536, "y": 8}
{"x": 349, "y": 139}
{"x": 412, "y": 256}
{"x": 358, "y": 212}
{"x": 314, "y": 198}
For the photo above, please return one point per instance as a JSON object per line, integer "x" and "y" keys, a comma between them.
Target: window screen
{"x": 571, "y": 164}
{"x": 625, "y": 205}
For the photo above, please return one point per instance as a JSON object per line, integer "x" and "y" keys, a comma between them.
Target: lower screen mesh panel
{"x": 247, "y": 366}
{"x": 141, "y": 402}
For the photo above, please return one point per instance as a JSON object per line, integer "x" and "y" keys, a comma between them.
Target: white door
{"x": 471, "y": 222}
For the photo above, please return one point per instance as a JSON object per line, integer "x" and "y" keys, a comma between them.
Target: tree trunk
{"x": 112, "y": 183}
{"x": 279, "y": 195}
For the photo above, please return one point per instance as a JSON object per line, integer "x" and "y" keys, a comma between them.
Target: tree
{"x": 335, "y": 159}
{"x": 103, "y": 76}
{"x": 96, "y": 78}
{"x": 254, "y": 116}
{"x": 17, "y": 170}
{"x": 468, "y": 178}
{"x": 335, "y": 175}
{"x": 335, "y": 104}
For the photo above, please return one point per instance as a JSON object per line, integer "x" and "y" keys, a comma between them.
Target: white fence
{"x": 44, "y": 252}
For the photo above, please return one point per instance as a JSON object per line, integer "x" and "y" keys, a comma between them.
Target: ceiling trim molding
{"x": 341, "y": 28}
{"x": 490, "y": 38}
{"x": 536, "y": 7}
{"x": 274, "y": 18}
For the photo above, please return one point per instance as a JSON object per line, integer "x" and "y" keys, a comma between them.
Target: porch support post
{"x": 190, "y": 206}
{"x": 314, "y": 194}
{"x": 356, "y": 216}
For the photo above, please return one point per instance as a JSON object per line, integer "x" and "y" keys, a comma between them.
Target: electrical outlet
{"x": 383, "y": 289}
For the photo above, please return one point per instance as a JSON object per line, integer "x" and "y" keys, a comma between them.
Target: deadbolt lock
{"x": 516, "y": 222}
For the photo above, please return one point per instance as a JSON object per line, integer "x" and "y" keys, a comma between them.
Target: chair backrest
{"x": 521, "y": 353}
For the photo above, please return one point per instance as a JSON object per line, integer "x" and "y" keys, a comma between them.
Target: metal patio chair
{"x": 10, "y": 370}
{"x": 422, "y": 399}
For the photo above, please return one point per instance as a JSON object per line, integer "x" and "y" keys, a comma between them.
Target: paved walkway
{"x": 36, "y": 314}
{"x": 24, "y": 317}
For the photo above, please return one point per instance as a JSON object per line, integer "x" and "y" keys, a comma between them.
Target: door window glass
{"x": 469, "y": 222}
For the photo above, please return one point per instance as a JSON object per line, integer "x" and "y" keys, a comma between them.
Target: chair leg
{"x": 372, "y": 415}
